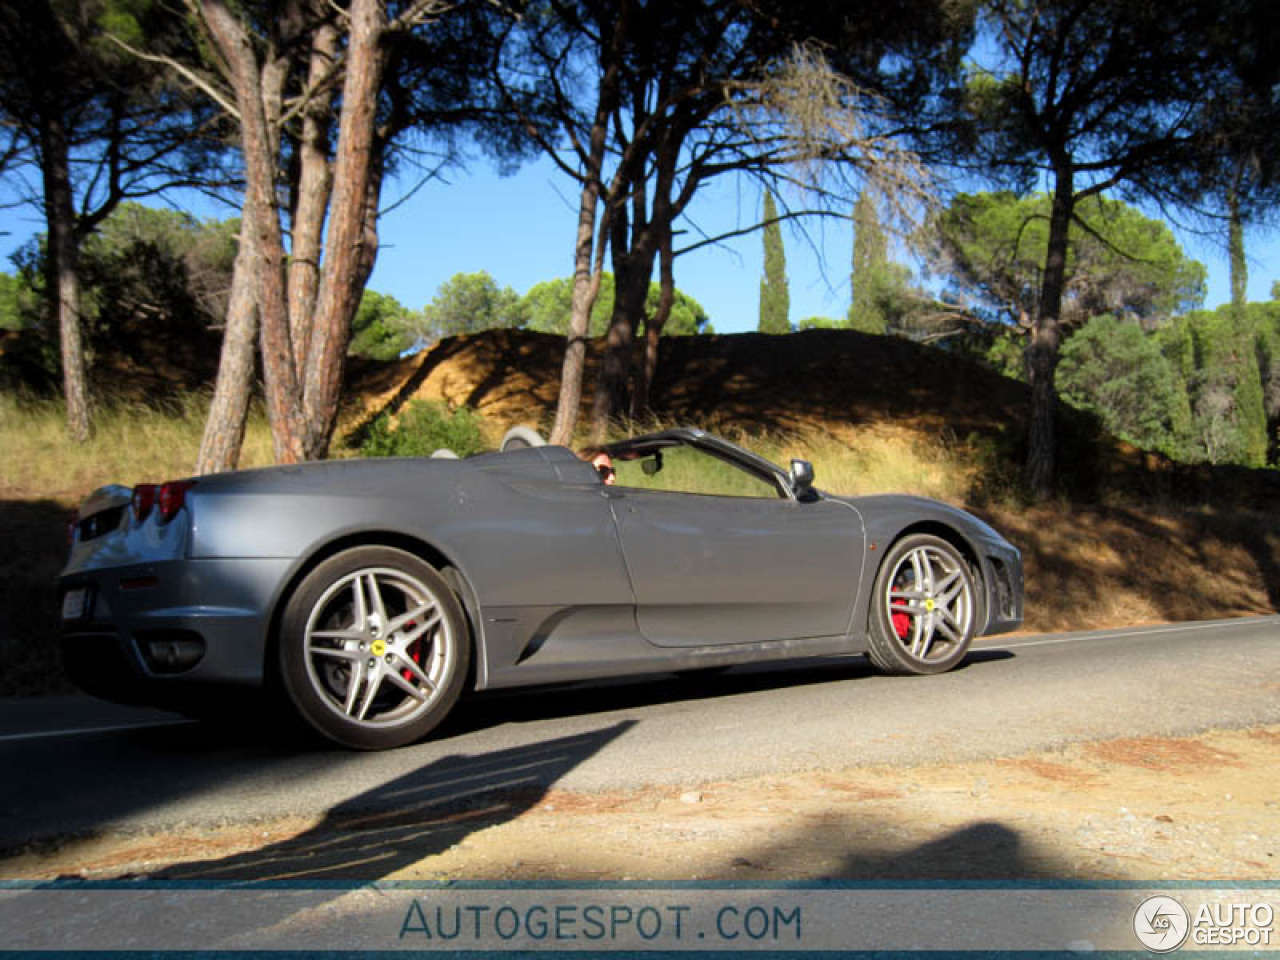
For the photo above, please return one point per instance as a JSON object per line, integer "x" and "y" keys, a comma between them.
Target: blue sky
{"x": 521, "y": 230}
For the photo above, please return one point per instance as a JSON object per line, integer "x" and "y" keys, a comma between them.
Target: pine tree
{"x": 1112, "y": 368}
{"x": 870, "y": 257}
{"x": 775, "y": 298}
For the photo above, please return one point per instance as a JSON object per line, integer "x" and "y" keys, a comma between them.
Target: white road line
{"x": 81, "y": 731}
{"x": 994, "y": 642}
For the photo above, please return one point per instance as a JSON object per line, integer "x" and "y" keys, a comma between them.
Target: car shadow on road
{"x": 410, "y": 818}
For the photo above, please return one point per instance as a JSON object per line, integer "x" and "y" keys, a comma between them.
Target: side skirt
{"x": 562, "y": 644}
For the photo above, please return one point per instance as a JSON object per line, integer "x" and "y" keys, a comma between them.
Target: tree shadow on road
{"x": 410, "y": 818}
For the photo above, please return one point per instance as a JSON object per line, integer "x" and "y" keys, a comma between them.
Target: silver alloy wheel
{"x": 933, "y": 590}
{"x": 378, "y": 648}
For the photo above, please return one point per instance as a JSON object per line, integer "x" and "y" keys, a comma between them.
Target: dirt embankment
{"x": 816, "y": 381}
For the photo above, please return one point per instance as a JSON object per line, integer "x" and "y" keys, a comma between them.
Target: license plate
{"x": 75, "y": 604}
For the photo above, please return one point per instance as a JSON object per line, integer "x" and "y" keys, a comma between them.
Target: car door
{"x": 710, "y": 570}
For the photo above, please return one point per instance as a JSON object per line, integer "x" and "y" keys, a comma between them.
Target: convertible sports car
{"x": 372, "y": 592}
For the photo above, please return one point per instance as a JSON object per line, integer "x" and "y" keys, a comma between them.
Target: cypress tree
{"x": 775, "y": 298}
{"x": 1218, "y": 355}
{"x": 870, "y": 257}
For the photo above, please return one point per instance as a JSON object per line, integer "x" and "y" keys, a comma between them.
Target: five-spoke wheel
{"x": 923, "y": 612}
{"x": 373, "y": 648}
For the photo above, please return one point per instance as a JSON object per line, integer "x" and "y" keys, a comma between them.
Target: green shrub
{"x": 423, "y": 427}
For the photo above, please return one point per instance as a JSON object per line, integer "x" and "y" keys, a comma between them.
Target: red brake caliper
{"x": 416, "y": 653}
{"x": 901, "y": 625}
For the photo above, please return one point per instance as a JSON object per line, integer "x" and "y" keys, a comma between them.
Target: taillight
{"x": 170, "y": 499}
{"x": 144, "y": 498}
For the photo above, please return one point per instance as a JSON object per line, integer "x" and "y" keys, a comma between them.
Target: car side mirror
{"x": 653, "y": 464}
{"x": 801, "y": 478}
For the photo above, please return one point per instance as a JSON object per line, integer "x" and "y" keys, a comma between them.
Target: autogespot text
{"x": 598, "y": 922}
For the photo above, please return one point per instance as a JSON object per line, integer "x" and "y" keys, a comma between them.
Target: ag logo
{"x": 1161, "y": 923}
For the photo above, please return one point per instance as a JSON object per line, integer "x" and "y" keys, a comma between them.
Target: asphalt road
{"x": 74, "y": 765}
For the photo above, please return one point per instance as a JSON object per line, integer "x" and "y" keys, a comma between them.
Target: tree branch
{"x": 199, "y": 82}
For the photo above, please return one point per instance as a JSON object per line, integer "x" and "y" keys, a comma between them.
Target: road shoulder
{"x": 1151, "y": 808}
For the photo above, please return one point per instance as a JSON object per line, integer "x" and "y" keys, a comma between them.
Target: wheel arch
{"x": 419, "y": 548}
{"x": 942, "y": 531}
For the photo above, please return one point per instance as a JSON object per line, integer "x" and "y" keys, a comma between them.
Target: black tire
{"x": 356, "y": 618}
{"x": 939, "y": 615}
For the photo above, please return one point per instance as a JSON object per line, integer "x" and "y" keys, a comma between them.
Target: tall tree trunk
{"x": 1046, "y": 338}
{"x": 615, "y": 363}
{"x": 653, "y": 326}
{"x": 261, "y": 215}
{"x": 632, "y": 270}
{"x": 347, "y": 257}
{"x": 314, "y": 184}
{"x": 63, "y": 280}
{"x": 229, "y": 409}
{"x": 586, "y": 287}
{"x": 1235, "y": 247}
{"x": 665, "y": 210}
{"x": 588, "y": 251}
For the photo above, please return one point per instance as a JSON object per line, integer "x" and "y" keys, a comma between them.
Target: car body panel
{"x": 721, "y": 570}
{"x": 561, "y": 576}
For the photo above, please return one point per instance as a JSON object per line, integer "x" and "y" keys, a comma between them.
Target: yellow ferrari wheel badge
{"x": 378, "y": 647}
{"x": 928, "y": 605}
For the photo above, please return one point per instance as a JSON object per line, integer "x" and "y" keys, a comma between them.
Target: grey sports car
{"x": 372, "y": 593}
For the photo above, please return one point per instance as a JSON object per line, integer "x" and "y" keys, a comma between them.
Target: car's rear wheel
{"x": 923, "y": 611}
{"x": 373, "y": 648}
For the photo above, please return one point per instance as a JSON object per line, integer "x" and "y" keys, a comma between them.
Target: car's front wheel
{"x": 923, "y": 611}
{"x": 373, "y": 648}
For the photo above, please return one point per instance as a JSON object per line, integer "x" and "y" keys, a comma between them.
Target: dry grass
{"x": 132, "y": 443}
{"x": 851, "y": 461}
{"x": 43, "y": 475}
{"x": 883, "y": 458}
